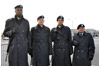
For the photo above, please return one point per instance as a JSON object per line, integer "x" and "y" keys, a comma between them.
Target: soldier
{"x": 62, "y": 49}
{"x": 84, "y": 47}
{"x": 41, "y": 43}
{"x": 17, "y": 29}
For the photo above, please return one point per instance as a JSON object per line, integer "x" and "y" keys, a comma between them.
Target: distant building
{"x": 94, "y": 33}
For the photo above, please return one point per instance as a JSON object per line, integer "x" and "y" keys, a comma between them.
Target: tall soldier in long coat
{"x": 62, "y": 49}
{"x": 17, "y": 29}
{"x": 41, "y": 43}
{"x": 84, "y": 47}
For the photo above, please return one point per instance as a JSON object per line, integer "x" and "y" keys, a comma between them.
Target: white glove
{"x": 50, "y": 58}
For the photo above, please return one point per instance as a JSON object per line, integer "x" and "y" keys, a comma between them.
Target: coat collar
{"x": 17, "y": 18}
{"x": 38, "y": 26}
{"x": 84, "y": 33}
{"x": 60, "y": 27}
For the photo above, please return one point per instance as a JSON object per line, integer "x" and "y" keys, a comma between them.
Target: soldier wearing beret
{"x": 84, "y": 47}
{"x": 17, "y": 29}
{"x": 41, "y": 43}
{"x": 62, "y": 49}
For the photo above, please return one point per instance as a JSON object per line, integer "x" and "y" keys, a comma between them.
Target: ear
{"x": 15, "y": 10}
{"x": 37, "y": 20}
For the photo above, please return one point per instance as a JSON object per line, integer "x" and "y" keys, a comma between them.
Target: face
{"x": 18, "y": 11}
{"x": 40, "y": 21}
{"x": 60, "y": 21}
{"x": 81, "y": 30}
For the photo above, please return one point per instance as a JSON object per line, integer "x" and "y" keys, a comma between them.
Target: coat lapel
{"x": 63, "y": 32}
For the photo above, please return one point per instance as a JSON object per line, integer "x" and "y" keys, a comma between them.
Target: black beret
{"x": 40, "y": 17}
{"x": 60, "y": 17}
{"x": 80, "y": 25}
{"x": 18, "y": 6}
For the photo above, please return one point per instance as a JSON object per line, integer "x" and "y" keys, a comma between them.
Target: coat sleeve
{"x": 91, "y": 47}
{"x": 50, "y": 44}
{"x": 31, "y": 41}
{"x": 75, "y": 42}
{"x": 32, "y": 38}
{"x": 29, "y": 38}
{"x": 70, "y": 42}
{"x": 53, "y": 34}
{"x": 7, "y": 31}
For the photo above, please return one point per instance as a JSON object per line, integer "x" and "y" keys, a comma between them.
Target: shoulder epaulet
{"x": 47, "y": 28}
{"x": 54, "y": 29}
{"x": 35, "y": 27}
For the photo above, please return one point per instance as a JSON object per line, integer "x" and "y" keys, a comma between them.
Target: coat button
{"x": 12, "y": 46}
{"x": 82, "y": 50}
{"x": 43, "y": 44}
{"x": 59, "y": 43}
{"x": 58, "y": 37}
{"x": 18, "y": 45}
{"x": 41, "y": 40}
{"x": 23, "y": 30}
{"x": 62, "y": 43}
{"x": 18, "y": 38}
{"x": 78, "y": 50}
{"x": 63, "y": 49}
{"x": 77, "y": 56}
{"x": 59, "y": 49}
{"x": 38, "y": 37}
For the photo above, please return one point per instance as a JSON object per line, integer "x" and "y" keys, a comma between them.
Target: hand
{"x": 13, "y": 30}
{"x": 90, "y": 59}
{"x": 9, "y": 33}
{"x": 75, "y": 43}
{"x": 50, "y": 58}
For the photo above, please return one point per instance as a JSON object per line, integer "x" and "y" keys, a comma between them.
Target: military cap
{"x": 18, "y": 6}
{"x": 60, "y": 17}
{"x": 80, "y": 25}
{"x": 40, "y": 17}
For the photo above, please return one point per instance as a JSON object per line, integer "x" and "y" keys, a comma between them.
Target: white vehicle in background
{"x": 5, "y": 38}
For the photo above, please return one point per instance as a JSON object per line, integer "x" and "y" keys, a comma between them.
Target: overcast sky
{"x": 79, "y": 11}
